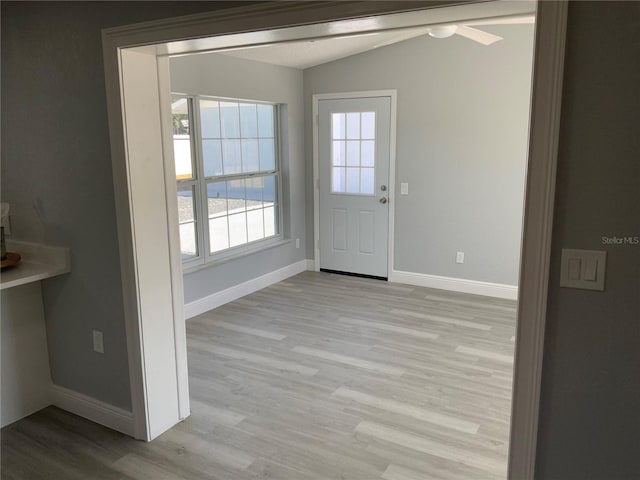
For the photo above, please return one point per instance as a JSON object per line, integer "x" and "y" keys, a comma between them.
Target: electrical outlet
{"x": 459, "y": 257}
{"x": 297, "y": 243}
{"x": 98, "y": 342}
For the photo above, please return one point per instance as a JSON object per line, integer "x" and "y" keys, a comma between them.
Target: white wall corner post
{"x": 152, "y": 289}
{"x": 536, "y": 247}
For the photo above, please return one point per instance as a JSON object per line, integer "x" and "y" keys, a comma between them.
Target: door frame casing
{"x": 393, "y": 95}
{"x": 539, "y": 191}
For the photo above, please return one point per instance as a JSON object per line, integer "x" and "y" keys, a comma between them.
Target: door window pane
{"x": 353, "y": 153}
{"x": 338, "y": 180}
{"x": 367, "y": 153}
{"x": 357, "y": 153}
{"x": 353, "y": 180}
{"x": 353, "y": 125}
{"x": 338, "y": 153}
{"x": 338, "y": 126}
{"x": 368, "y": 125}
{"x": 367, "y": 180}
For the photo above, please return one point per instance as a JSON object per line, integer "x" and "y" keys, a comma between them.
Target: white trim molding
{"x": 544, "y": 132}
{"x": 92, "y": 409}
{"x": 462, "y": 285}
{"x": 230, "y": 294}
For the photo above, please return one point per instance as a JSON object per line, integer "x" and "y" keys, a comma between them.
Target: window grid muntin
{"x": 246, "y": 209}
{"x": 277, "y": 207}
{"x": 347, "y": 139}
{"x": 193, "y": 183}
{"x": 192, "y": 135}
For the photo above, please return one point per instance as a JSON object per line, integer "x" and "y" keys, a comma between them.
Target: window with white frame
{"x": 228, "y": 176}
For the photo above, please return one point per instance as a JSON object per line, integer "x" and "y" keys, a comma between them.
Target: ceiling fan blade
{"x": 479, "y": 36}
{"x": 518, "y": 20}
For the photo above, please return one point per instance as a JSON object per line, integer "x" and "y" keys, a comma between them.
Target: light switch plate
{"x": 404, "y": 188}
{"x": 583, "y": 269}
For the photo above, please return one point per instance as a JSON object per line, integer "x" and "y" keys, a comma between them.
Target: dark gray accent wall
{"x": 56, "y": 174}
{"x": 589, "y": 425}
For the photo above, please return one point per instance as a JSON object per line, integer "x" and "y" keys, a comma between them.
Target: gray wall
{"x": 463, "y": 113}
{"x": 590, "y": 405}
{"x": 52, "y": 69}
{"x": 226, "y": 76}
{"x": 56, "y": 174}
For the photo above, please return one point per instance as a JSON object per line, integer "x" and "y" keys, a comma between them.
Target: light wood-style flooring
{"x": 318, "y": 377}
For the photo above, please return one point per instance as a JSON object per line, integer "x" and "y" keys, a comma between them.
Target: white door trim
{"x": 393, "y": 94}
{"x": 540, "y": 189}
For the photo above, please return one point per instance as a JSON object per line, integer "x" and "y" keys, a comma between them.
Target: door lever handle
{"x": 383, "y": 200}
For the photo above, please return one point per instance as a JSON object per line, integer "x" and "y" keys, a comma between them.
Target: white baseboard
{"x": 230, "y": 294}
{"x": 92, "y": 409}
{"x": 311, "y": 264}
{"x": 475, "y": 287}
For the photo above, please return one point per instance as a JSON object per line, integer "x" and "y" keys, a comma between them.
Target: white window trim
{"x": 205, "y": 258}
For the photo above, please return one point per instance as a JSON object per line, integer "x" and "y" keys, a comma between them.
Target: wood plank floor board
{"x": 319, "y": 377}
{"x": 426, "y": 467}
{"x": 409, "y": 410}
{"x": 485, "y": 462}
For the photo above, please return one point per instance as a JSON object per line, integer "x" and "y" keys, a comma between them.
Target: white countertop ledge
{"x": 38, "y": 262}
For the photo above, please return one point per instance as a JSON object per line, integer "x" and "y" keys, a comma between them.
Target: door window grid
{"x": 353, "y": 152}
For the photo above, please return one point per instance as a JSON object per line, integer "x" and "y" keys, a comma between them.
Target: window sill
{"x": 279, "y": 242}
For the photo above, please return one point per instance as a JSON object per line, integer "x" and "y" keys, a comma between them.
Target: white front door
{"x": 353, "y": 162}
